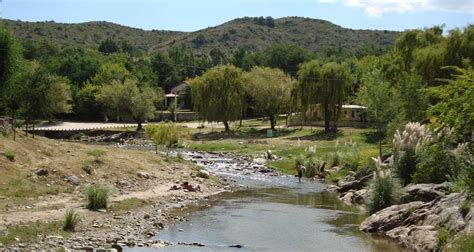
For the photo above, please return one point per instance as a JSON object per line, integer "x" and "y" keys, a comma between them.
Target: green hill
{"x": 253, "y": 33}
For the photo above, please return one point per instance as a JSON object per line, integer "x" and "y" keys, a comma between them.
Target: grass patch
{"x": 29, "y": 232}
{"x": 97, "y": 196}
{"x": 96, "y": 154}
{"x": 442, "y": 234}
{"x": 385, "y": 192}
{"x": 463, "y": 242}
{"x": 25, "y": 188}
{"x": 71, "y": 219}
{"x": 465, "y": 207}
{"x": 128, "y": 204}
{"x": 10, "y": 155}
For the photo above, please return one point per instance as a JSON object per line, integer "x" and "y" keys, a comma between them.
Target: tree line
{"x": 408, "y": 82}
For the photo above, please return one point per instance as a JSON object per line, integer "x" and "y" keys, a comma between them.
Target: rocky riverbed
{"x": 426, "y": 210}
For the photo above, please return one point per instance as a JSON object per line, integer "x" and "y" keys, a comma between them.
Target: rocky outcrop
{"x": 415, "y": 225}
{"x": 354, "y": 184}
{"x": 425, "y": 192}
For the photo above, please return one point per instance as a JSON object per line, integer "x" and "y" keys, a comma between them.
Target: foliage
{"x": 286, "y": 57}
{"x": 97, "y": 196}
{"x": 405, "y": 147}
{"x": 71, "y": 219}
{"x": 380, "y": 98}
{"x": 10, "y": 155}
{"x": 218, "y": 94}
{"x": 465, "y": 156}
{"x": 127, "y": 100}
{"x": 97, "y": 154}
{"x": 463, "y": 242}
{"x": 453, "y": 102}
{"x": 166, "y": 134}
{"x": 435, "y": 164}
{"x": 325, "y": 85}
{"x": 270, "y": 90}
{"x": 9, "y": 57}
{"x": 442, "y": 233}
{"x": 384, "y": 193}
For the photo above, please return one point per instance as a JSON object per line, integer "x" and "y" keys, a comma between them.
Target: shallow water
{"x": 276, "y": 213}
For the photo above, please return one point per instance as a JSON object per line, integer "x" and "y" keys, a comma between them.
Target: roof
{"x": 179, "y": 88}
{"x": 352, "y": 106}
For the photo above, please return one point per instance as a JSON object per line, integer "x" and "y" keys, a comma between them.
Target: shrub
{"x": 385, "y": 192}
{"x": 465, "y": 179}
{"x": 312, "y": 166}
{"x": 435, "y": 164}
{"x": 442, "y": 235}
{"x": 96, "y": 154}
{"x": 465, "y": 207}
{"x": 464, "y": 242}
{"x": 405, "y": 146}
{"x": 87, "y": 168}
{"x": 334, "y": 159}
{"x": 97, "y": 196}
{"x": 71, "y": 220}
{"x": 10, "y": 155}
{"x": 166, "y": 134}
{"x": 352, "y": 160}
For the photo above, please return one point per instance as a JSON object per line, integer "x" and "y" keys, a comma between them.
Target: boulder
{"x": 73, "y": 179}
{"x": 389, "y": 218}
{"x": 416, "y": 238}
{"x": 259, "y": 161}
{"x": 354, "y": 185}
{"x": 204, "y": 174}
{"x": 144, "y": 175}
{"x": 360, "y": 196}
{"x": 425, "y": 192}
{"x": 42, "y": 172}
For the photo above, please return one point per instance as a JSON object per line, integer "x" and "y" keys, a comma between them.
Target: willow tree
{"x": 324, "y": 85}
{"x": 218, "y": 95}
{"x": 270, "y": 90}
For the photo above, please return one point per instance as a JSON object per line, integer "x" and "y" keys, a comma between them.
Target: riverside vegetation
{"x": 424, "y": 77}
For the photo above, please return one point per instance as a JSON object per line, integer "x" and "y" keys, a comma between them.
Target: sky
{"x": 192, "y": 15}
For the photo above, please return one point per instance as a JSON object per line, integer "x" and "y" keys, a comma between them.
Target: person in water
{"x": 300, "y": 169}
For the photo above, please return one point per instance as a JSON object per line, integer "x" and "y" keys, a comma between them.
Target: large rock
{"x": 425, "y": 192}
{"x": 416, "y": 238}
{"x": 389, "y": 218}
{"x": 204, "y": 174}
{"x": 414, "y": 224}
{"x": 353, "y": 185}
{"x": 73, "y": 179}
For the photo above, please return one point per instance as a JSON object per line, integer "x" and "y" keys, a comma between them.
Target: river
{"x": 274, "y": 213}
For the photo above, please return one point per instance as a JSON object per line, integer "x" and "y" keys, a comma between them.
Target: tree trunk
{"x": 139, "y": 122}
{"x": 26, "y": 127}
{"x": 33, "y": 124}
{"x": 226, "y": 125}
{"x": 272, "y": 122}
{"x": 327, "y": 118}
{"x": 156, "y": 148}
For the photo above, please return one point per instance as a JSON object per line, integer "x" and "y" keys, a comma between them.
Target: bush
{"x": 96, "y": 154}
{"x": 442, "y": 235}
{"x": 334, "y": 159}
{"x": 10, "y": 155}
{"x": 71, "y": 220}
{"x": 97, "y": 196}
{"x": 385, "y": 192}
{"x": 87, "y": 168}
{"x": 463, "y": 242}
{"x": 435, "y": 164}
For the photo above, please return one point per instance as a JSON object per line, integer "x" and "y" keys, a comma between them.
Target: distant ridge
{"x": 252, "y": 33}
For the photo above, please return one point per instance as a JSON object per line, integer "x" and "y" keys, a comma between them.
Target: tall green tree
{"x": 270, "y": 90}
{"x": 9, "y": 66}
{"x": 326, "y": 86}
{"x": 284, "y": 56}
{"x": 453, "y": 102}
{"x": 125, "y": 99}
{"x": 218, "y": 95}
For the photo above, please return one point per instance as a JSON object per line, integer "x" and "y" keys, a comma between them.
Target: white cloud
{"x": 376, "y": 8}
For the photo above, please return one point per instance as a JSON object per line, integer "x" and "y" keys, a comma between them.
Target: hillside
{"x": 311, "y": 34}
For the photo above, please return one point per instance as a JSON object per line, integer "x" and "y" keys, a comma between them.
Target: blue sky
{"x": 191, "y": 15}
